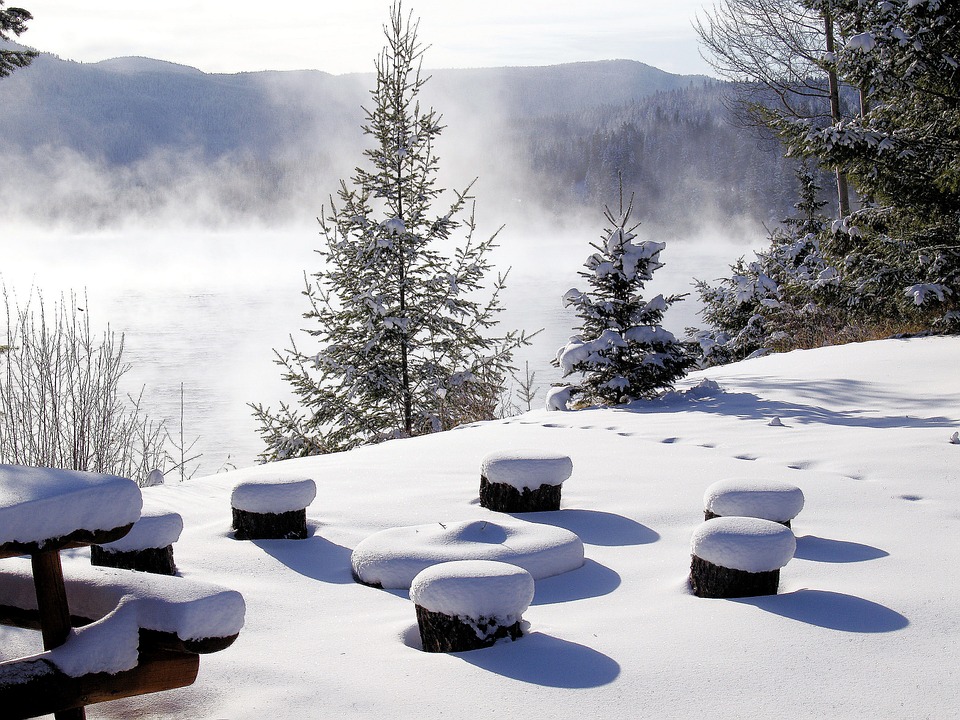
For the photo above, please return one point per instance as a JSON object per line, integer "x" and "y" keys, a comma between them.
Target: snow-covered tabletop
{"x": 43, "y": 508}
{"x": 393, "y": 558}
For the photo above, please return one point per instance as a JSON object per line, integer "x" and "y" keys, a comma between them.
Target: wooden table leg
{"x": 54, "y": 611}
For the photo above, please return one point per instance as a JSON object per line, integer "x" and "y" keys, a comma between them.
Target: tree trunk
{"x": 843, "y": 191}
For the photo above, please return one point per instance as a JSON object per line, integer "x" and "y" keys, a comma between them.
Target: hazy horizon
{"x": 345, "y": 39}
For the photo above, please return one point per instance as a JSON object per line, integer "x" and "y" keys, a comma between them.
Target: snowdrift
{"x": 866, "y": 623}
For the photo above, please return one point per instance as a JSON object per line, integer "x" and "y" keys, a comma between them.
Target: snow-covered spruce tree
{"x": 622, "y": 351}
{"x": 404, "y": 344}
{"x": 899, "y": 256}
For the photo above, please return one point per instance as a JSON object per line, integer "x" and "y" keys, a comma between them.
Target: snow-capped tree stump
{"x": 772, "y": 500}
{"x": 739, "y": 557}
{"x": 148, "y": 547}
{"x": 517, "y": 481}
{"x": 470, "y": 604}
{"x": 272, "y": 508}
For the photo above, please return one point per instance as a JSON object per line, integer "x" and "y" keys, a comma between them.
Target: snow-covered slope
{"x": 867, "y": 622}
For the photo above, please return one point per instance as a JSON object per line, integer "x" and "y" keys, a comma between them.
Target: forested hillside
{"x": 95, "y": 144}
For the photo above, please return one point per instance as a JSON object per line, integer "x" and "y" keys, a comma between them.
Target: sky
{"x": 343, "y": 37}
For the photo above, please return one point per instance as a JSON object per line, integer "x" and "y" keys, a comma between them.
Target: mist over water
{"x": 206, "y": 308}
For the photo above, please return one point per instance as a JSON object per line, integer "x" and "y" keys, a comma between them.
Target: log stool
{"x": 470, "y": 604}
{"x": 272, "y": 508}
{"x": 148, "y": 547}
{"x": 517, "y": 481}
{"x": 767, "y": 499}
{"x": 739, "y": 557}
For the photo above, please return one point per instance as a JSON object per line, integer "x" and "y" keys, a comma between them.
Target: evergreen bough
{"x": 403, "y": 341}
{"x": 622, "y": 350}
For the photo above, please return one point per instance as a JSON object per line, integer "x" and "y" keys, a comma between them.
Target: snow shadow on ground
{"x": 748, "y": 406}
{"x": 315, "y": 557}
{"x": 831, "y": 610}
{"x": 818, "y": 549}
{"x": 594, "y": 527}
{"x": 590, "y": 580}
{"x": 545, "y": 660}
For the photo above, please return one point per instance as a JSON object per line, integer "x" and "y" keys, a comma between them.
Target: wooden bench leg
{"x": 54, "y": 611}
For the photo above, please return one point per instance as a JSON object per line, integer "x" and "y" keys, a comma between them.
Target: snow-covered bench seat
{"x": 470, "y": 604}
{"x": 138, "y": 633}
{"x": 272, "y": 508}
{"x": 739, "y": 557}
{"x": 523, "y": 480}
{"x": 772, "y": 500}
{"x": 148, "y": 547}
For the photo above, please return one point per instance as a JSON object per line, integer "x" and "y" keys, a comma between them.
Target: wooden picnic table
{"x": 42, "y": 512}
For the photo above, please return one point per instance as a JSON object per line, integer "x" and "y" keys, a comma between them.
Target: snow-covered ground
{"x": 867, "y": 622}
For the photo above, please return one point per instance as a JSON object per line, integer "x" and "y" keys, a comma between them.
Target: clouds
{"x": 242, "y": 35}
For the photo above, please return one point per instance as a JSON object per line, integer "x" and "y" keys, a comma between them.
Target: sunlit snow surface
{"x": 866, "y": 622}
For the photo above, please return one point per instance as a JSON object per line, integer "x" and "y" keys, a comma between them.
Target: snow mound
{"x": 526, "y": 468}
{"x": 474, "y": 589}
{"x": 273, "y": 494}
{"x": 767, "y": 499}
{"x": 558, "y": 398}
{"x": 39, "y": 504}
{"x": 393, "y": 558}
{"x": 744, "y": 543}
{"x": 154, "y": 529}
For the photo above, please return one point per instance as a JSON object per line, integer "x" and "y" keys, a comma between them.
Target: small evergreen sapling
{"x": 622, "y": 350}
{"x": 401, "y": 331}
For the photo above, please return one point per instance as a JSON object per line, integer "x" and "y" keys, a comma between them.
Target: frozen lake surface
{"x": 205, "y": 308}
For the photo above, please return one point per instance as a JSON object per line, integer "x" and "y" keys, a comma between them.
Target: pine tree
{"x": 622, "y": 350}
{"x": 899, "y": 255}
{"x": 404, "y": 342}
{"x": 13, "y": 21}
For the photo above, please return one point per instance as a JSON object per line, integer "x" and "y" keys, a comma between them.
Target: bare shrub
{"x": 61, "y": 405}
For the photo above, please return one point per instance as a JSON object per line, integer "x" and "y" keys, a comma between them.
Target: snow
{"x": 273, "y": 494}
{"x": 39, "y": 504}
{"x": 558, "y": 398}
{"x": 191, "y": 609}
{"x": 526, "y": 468}
{"x": 768, "y": 499}
{"x": 393, "y": 558}
{"x": 866, "y": 619}
{"x": 474, "y": 589}
{"x": 744, "y": 543}
{"x": 155, "y": 529}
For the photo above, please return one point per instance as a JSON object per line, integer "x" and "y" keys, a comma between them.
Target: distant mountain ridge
{"x": 139, "y": 135}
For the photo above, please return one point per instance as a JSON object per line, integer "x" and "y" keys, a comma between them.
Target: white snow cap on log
{"x": 474, "y": 589}
{"x": 526, "y": 468}
{"x": 154, "y": 529}
{"x": 744, "y": 543}
{"x": 768, "y": 499}
{"x": 273, "y": 494}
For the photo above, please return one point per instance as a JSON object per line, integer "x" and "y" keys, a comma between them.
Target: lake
{"x": 205, "y": 308}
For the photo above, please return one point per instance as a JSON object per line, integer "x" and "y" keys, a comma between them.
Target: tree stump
{"x": 520, "y": 481}
{"x": 272, "y": 508}
{"x": 148, "y": 547}
{"x": 739, "y": 557}
{"x": 152, "y": 560}
{"x": 290, "y": 525}
{"x": 772, "y": 500}
{"x": 470, "y": 604}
